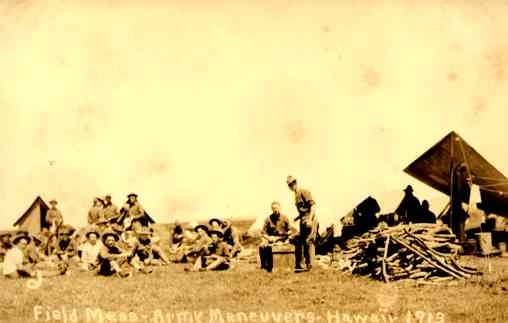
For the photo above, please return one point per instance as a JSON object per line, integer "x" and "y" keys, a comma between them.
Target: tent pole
{"x": 452, "y": 169}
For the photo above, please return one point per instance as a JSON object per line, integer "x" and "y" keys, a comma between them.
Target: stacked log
{"x": 422, "y": 252}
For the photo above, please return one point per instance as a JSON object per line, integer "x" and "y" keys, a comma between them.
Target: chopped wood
{"x": 419, "y": 252}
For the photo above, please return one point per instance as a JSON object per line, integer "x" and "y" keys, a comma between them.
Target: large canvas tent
{"x": 434, "y": 168}
{"x": 33, "y": 219}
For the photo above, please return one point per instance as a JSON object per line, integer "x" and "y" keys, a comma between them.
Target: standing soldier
{"x": 54, "y": 217}
{"x": 305, "y": 242}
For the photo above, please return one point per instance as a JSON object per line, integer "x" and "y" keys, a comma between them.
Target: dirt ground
{"x": 247, "y": 294}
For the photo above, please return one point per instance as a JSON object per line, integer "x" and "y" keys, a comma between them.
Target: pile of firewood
{"x": 423, "y": 252}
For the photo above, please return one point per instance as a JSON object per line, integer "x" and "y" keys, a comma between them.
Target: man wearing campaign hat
{"x": 232, "y": 237}
{"x": 215, "y": 224}
{"x": 5, "y": 244}
{"x": 96, "y": 212}
{"x": 409, "y": 208}
{"x": 111, "y": 257}
{"x": 110, "y": 210}
{"x": 15, "y": 262}
{"x": 216, "y": 255}
{"x": 133, "y": 214}
{"x": 54, "y": 217}
{"x": 305, "y": 242}
{"x": 146, "y": 251}
{"x": 89, "y": 251}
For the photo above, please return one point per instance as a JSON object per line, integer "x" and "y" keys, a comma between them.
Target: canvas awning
{"x": 434, "y": 168}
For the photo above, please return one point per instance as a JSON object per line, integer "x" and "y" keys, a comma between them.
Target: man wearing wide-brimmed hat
{"x": 305, "y": 242}
{"x": 111, "y": 257}
{"x": 54, "y": 217}
{"x": 215, "y": 224}
{"x": 133, "y": 214}
{"x": 89, "y": 251}
{"x": 409, "y": 208}
{"x": 143, "y": 252}
{"x": 5, "y": 244}
{"x": 232, "y": 237}
{"x": 111, "y": 211}
{"x": 96, "y": 212}
{"x": 216, "y": 255}
{"x": 15, "y": 260}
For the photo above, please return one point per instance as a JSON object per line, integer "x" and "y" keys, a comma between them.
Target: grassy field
{"x": 319, "y": 296}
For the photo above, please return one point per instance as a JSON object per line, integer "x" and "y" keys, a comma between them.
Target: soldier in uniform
{"x": 215, "y": 256}
{"x": 54, "y": 217}
{"x": 146, "y": 251}
{"x": 111, "y": 257}
{"x": 96, "y": 212}
{"x": 232, "y": 237}
{"x": 305, "y": 242}
{"x": 410, "y": 208}
{"x": 176, "y": 236}
{"x": 89, "y": 251}
{"x": 215, "y": 224}
{"x": 5, "y": 244}
{"x": 111, "y": 211}
{"x": 66, "y": 248}
{"x": 276, "y": 229}
{"x": 16, "y": 263}
{"x": 133, "y": 214}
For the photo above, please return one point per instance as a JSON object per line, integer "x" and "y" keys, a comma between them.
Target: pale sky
{"x": 204, "y": 107}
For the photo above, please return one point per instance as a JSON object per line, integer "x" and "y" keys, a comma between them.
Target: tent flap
{"x": 434, "y": 169}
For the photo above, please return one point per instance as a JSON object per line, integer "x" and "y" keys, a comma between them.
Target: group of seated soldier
{"x": 205, "y": 247}
{"x": 116, "y": 241}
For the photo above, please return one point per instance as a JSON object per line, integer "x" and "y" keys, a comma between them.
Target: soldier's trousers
{"x": 266, "y": 257}
{"x": 304, "y": 250}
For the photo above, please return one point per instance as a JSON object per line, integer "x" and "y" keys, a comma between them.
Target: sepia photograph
{"x": 234, "y": 161}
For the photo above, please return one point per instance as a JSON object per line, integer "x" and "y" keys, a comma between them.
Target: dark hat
{"x": 212, "y": 220}
{"x": 21, "y": 236}
{"x": 53, "y": 201}
{"x": 408, "y": 189}
{"x": 132, "y": 194}
{"x": 201, "y": 226}
{"x": 66, "y": 229}
{"x": 5, "y": 234}
{"x": 113, "y": 234}
{"x": 107, "y": 195}
{"x": 218, "y": 233}
{"x": 290, "y": 180}
{"x": 94, "y": 231}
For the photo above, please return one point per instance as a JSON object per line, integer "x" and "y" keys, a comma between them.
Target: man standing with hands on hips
{"x": 305, "y": 242}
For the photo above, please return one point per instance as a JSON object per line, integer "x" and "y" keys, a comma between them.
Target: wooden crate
{"x": 283, "y": 258}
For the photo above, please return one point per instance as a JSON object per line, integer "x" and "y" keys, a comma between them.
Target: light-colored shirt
{"x": 90, "y": 253}
{"x": 13, "y": 260}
